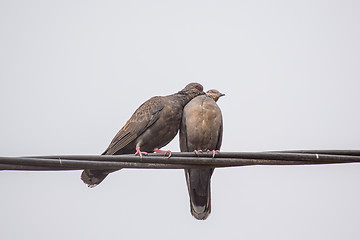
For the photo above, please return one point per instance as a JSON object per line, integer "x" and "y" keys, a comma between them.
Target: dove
{"x": 153, "y": 125}
{"x": 201, "y": 130}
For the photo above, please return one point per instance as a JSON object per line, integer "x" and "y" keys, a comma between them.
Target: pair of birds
{"x": 156, "y": 122}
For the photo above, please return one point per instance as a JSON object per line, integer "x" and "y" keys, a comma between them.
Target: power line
{"x": 178, "y": 160}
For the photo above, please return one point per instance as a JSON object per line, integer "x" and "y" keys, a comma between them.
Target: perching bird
{"x": 153, "y": 125}
{"x": 201, "y": 130}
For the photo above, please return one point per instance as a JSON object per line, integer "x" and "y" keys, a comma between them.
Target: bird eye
{"x": 198, "y": 87}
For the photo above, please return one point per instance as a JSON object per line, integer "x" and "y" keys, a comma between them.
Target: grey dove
{"x": 201, "y": 130}
{"x": 153, "y": 125}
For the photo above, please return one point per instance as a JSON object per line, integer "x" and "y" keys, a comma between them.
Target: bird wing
{"x": 145, "y": 116}
{"x": 183, "y": 137}
{"x": 218, "y": 144}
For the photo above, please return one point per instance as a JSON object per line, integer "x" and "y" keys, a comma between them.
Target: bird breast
{"x": 164, "y": 129}
{"x": 203, "y": 121}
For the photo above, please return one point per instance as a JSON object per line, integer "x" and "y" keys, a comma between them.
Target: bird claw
{"x": 197, "y": 152}
{"x": 214, "y": 152}
{"x": 140, "y": 153}
{"x": 162, "y": 151}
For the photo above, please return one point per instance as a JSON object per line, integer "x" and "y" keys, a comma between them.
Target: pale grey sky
{"x": 72, "y": 73}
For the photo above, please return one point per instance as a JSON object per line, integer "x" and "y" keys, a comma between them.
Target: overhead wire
{"x": 179, "y": 160}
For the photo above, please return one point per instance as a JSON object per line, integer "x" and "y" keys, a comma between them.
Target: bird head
{"x": 193, "y": 90}
{"x": 214, "y": 94}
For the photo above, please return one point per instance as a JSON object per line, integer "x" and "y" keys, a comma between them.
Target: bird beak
{"x": 222, "y": 94}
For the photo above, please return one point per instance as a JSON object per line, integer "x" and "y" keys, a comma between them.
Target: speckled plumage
{"x": 201, "y": 129}
{"x": 153, "y": 125}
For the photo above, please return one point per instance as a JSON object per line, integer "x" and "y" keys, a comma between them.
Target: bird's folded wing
{"x": 218, "y": 144}
{"x": 145, "y": 116}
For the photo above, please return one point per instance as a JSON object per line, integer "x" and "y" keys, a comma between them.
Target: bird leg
{"x": 214, "y": 152}
{"x": 162, "y": 151}
{"x": 140, "y": 153}
{"x": 197, "y": 152}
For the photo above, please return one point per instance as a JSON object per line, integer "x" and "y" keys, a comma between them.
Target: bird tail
{"x": 198, "y": 183}
{"x": 94, "y": 177}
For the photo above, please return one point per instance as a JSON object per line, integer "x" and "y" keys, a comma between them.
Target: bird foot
{"x": 197, "y": 152}
{"x": 214, "y": 152}
{"x": 140, "y": 153}
{"x": 162, "y": 151}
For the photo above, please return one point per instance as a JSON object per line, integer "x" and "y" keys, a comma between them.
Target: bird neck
{"x": 182, "y": 98}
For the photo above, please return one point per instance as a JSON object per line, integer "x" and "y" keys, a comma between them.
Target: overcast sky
{"x": 73, "y": 72}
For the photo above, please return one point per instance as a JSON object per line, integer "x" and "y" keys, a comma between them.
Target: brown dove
{"x": 201, "y": 130}
{"x": 153, "y": 125}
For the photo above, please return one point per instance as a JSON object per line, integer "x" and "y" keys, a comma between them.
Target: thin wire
{"x": 178, "y": 160}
